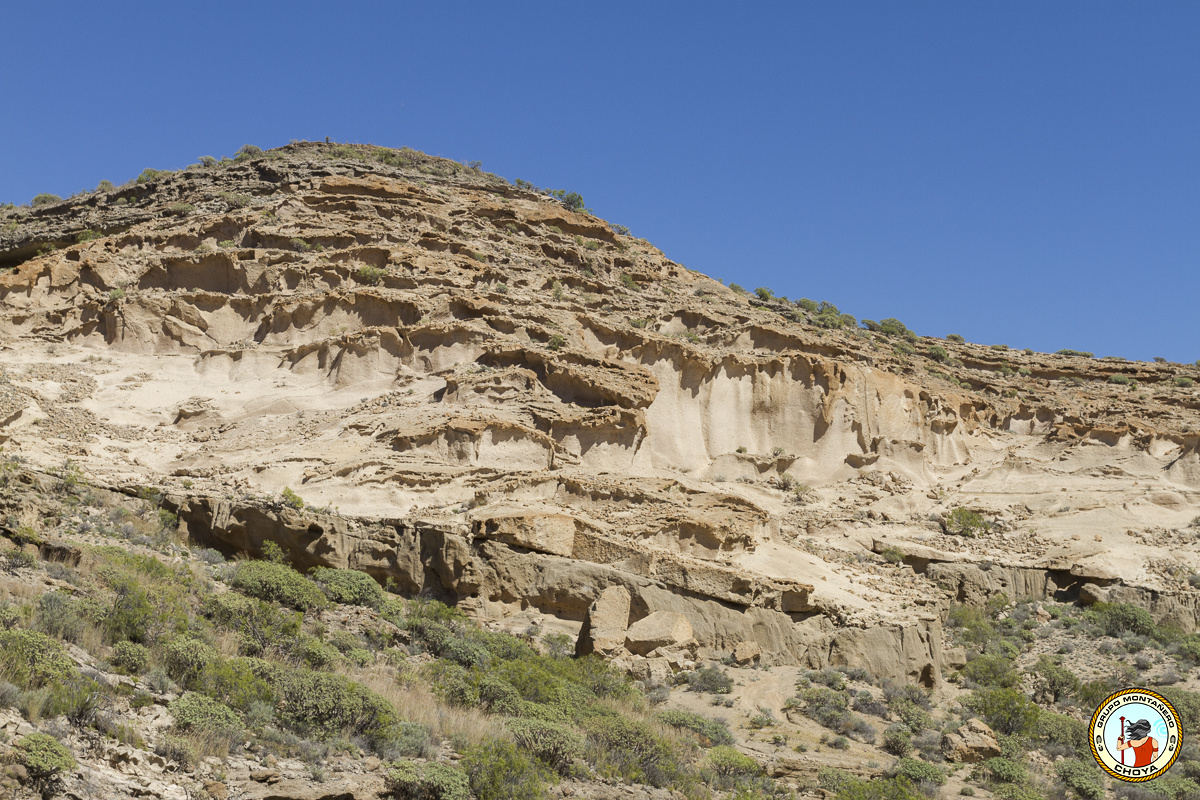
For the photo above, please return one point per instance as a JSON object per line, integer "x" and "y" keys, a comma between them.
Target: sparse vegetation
{"x": 965, "y": 522}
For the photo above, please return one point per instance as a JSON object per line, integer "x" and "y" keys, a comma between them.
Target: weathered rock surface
{"x": 486, "y": 396}
{"x": 661, "y": 629}
{"x": 973, "y": 742}
{"x": 604, "y": 627}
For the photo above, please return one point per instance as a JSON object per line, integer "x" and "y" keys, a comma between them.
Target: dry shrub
{"x": 415, "y": 703}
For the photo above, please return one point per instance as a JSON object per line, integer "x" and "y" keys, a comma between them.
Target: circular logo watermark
{"x": 1136, "y": 734}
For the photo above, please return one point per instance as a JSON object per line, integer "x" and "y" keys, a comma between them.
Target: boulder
{"x": 746, "y": 653}
{"x": 604, "y": 627}
{"x": 1090, "y": 593}
{"x": 954, "y": 657}
{"x": 972, "y": 742}
{"x": 651, "y": 670}
{"x": 660, "y": 629}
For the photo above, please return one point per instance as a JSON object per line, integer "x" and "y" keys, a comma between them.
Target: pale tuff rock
{"x": 661, "y": 629}
{"x": 746, "y": 653}
{"x": 974, "y": 741}
{"x": 604, "y": 626}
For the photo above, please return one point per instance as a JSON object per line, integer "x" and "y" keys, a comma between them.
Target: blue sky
{"x": 1023, "y": 173}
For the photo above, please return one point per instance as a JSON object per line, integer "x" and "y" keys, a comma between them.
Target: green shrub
{"x": 149, "y": 175}
{"x": 918, "y": 771}
{"x": 955, "y": 337}
{"x": 235, "y": 681}
{"x": 1062, "y": 730}
{"x": 44, "y": 199}
{"x": 326, "y": 704}
{"x": 367, "y": 274}
{"x": 278, "y": 583}
{"x": 711, "y": 680}
{"x": 1091, "y": 693}
{"x": 291, "y": 499}
{"x": 1184, "y": 382}
{"x": 1118, "y": 619}
{"x": 897, "y": 740}
{"x": 915, "y": 718}
{"x": 897, "y": 788}
{"x": 1006, "y": 770}
{"x": 130, "y": 657}
{"x": 43, "y": 756}
{"x": 1059, "y": 680}
{"x": 498, "y": 696}
{"x": 964, "y": 522}
{"x": 349, "y": 586}
{"x": 31, "y": 659}
{"x": 409, "y": 781}
{"x": 77, "y": 698}
{"x": 445, "y": 643}
{"x": 1005, "y": 709}
{"x": 59, "y": 615}
{"x": 635, "y": 750}
{"x": 497, "y": 770}
{"x": 991, "y": 670}
{"x": 555, "y": 745}
{"x": 1015, "y": 791}
{"x": 709, "y": 731}
{"x": 246, "y": 152}
{"x": 727, "y": 762}
{"x": 186, "y": 658}
{"x": 196, "y": 712}
{"x": 259, "y": 626}
{"x": 315, "y": 653}
{"x": 1083, "y": 778}
{"x": 1172, "y": 787}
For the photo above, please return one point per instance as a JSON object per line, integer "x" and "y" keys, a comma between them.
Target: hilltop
{"x": 479, "y": 392}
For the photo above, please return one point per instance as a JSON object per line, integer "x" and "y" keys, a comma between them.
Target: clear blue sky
{"x": 1025, "y": 173}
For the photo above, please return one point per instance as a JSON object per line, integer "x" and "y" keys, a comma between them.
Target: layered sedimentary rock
{"x": 473, "y": 391}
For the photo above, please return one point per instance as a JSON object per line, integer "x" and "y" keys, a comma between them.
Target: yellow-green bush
{"x": 278, "y": 583}
{"x": 497, "y": 770}
{"x": 635, "y": 751}
{"x": 43, "y": 755}
{"x": 130, "y": 657}
{"x": 349, "y": 586}
{"x": 194, "y": 711}
{"x": 918, "y": 771}
{"x": 1082, "y": 777}
{"x": 31, "y": 659}
{"x": 709, "y": 731}
{"x": 554, "y": 744}
{"x": 1005, "y": 710}
{"x": 259, "y": 626}
{"x": 724, "y": 761}
{"x": 185, "y": 658}
{"x": 409, "y": 781}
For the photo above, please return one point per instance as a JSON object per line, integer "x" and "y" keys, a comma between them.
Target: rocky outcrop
{"x": 971, "y": 742}
{"x": 665, "y": 629}
{"x": 486, "y": 396}
{"x": 604, "y": 627}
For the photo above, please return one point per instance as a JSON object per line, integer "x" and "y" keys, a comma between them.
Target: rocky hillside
{"x": 479, "y": 393}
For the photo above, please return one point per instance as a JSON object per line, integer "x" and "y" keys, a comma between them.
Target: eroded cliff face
{"x": 482, "y": 394}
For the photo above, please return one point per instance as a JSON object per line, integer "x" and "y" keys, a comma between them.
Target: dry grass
{"x": 416, "y": 703}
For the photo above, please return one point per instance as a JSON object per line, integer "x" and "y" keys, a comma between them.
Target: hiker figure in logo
{"x": 1137, "y": 738}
